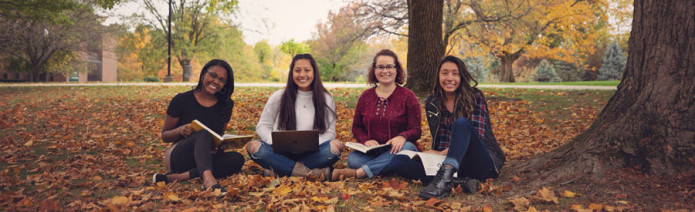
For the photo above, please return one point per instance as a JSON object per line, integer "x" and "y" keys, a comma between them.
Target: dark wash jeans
{"x": 467, "y": 154}
{"x": 283, "y": 164}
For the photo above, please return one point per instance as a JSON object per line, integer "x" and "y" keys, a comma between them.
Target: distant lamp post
{"x": 168, "y": 77}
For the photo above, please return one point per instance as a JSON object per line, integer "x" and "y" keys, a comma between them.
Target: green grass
{"x": 588, "y": 83}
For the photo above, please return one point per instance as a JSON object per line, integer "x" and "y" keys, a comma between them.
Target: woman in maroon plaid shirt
{"x": 460, "y": 127}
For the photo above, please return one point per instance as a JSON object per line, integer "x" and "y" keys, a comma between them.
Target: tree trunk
{"x": 506, "y": 72}
{"x": 424, "y": 43}
{"x": 648, "y": 123}
{"x": 186, "y": 66}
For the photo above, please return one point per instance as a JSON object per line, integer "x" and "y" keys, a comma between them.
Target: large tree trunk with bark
{"x": 650, "y": 121}
{"x": 506, "y": 71}
{"x": 424, "y": 43}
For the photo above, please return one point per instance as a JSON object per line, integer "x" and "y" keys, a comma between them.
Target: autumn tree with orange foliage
{"x": 556, "y": 29}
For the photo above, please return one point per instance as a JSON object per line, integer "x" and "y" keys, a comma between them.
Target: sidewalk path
{"x": 327, "y": 85}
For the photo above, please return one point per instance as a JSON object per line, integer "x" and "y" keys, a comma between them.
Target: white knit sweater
{"x": 304, "y": 109}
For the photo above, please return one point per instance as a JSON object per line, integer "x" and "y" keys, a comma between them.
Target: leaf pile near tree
{"x": 95, "y": 148}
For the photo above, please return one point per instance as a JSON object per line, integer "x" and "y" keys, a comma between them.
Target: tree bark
{"x": 648, "y": 123}
{"x": 424, "y": 43}
{"x": 186, "y": 66}
{"x": 506, "y": 71}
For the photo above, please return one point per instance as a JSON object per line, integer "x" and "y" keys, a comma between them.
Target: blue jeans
{"x": 377, "y": 163}
{"x": 282, "y": 164}
{"x": 467, "y": 154}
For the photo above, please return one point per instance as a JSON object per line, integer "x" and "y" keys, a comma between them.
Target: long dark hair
{"x": 288, "y": 117}
{"x": 225, "y": 94}
{"x": 400, "y": 73}
{"x": 464, "y": 99}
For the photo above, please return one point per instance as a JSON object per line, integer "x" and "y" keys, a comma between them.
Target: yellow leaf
{"x": 161, "y": 185}
{"x": 520, "y": 203}
{"x": 622, "y": 202}
{"x": 217, "y": 192}
{"x": 282, "y": 190}
{"x": 29, "y": 143}
{"x": 119, "y": 200}
{"x": 547, "y": 195}
{"x": 96, "y": 178}
{"x": 570, "y": 194}
{"x": 172, "y": 197}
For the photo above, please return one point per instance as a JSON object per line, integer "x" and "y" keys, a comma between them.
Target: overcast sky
{"x": 272, "y": 20}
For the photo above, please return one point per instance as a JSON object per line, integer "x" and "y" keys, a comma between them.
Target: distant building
{"x": 101, "y": 60}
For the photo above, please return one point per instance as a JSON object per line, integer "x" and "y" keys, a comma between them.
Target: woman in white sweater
{"x": 304, "y": 104}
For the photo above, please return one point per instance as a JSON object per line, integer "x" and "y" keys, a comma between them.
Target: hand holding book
{"x": 226, "y": 140}
{"x": 364, "y": 148}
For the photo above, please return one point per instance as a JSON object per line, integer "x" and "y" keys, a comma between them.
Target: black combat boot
{"x": 441, "y": 184}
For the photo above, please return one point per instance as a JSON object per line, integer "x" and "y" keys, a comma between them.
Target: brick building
{"x": 101, "y": 65}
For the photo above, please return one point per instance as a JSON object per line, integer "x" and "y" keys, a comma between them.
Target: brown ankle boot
{"x": 321, "y": 174}
{"x": 344, "y": 173}
{"x": 300, "y": 170}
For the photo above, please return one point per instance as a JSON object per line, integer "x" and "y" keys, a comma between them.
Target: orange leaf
{"x": 119, "y": 200}
{"x": 432, "y": 202}
{"x": 595, "y": 207}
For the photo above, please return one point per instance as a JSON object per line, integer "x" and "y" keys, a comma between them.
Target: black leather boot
{"x": 468, "y": 185}
{"x": 441, "y": 184}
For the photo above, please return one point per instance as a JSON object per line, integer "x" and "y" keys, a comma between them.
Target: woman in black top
{"x": 192, "y": 155}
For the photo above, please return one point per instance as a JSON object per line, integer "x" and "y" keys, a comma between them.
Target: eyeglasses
{"x": 386, "y": 67}
{"x": 218, "y": 78}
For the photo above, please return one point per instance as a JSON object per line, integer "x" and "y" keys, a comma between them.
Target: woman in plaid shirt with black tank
{"x": 460, "y": 127}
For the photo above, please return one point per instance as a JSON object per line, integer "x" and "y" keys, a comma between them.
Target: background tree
{"x": 555, "y": 29}
{"x": 476, "y": 66}
{"x": 565, "y": 71}
{"x": 339, "y": 45}
{"x": 265, "y": 57}
{"x": 141, "y": 50}
{"x": 191, "y": 22}
{"x": 613, "y": 63}
{"x": 52, "y": 11}
{"x": 229, "y": 45}
{"x": 546, "y": 73}
{"x": 647, "y": 124}
{"x": 292, "y": 48}
{"x": 38, "y": 46}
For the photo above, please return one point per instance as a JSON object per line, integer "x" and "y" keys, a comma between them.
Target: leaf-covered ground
{"x": 95, "y": 148}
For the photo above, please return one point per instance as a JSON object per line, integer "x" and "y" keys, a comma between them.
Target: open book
{"x": 364, "y": 148}
{"x": 227, "y": 140}
{"x": 430, "y": 161}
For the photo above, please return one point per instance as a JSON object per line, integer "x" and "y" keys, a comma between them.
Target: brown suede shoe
{"x": 344, "y": 174}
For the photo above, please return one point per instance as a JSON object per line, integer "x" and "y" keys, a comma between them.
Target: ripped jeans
{"x": 282, "y": 164}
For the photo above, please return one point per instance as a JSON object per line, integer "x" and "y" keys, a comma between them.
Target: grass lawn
{"x": 95, "y": 148}
{"x": 588, "y": 83}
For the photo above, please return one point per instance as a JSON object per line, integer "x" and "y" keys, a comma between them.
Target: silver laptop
{"x": 295, "y": 141}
